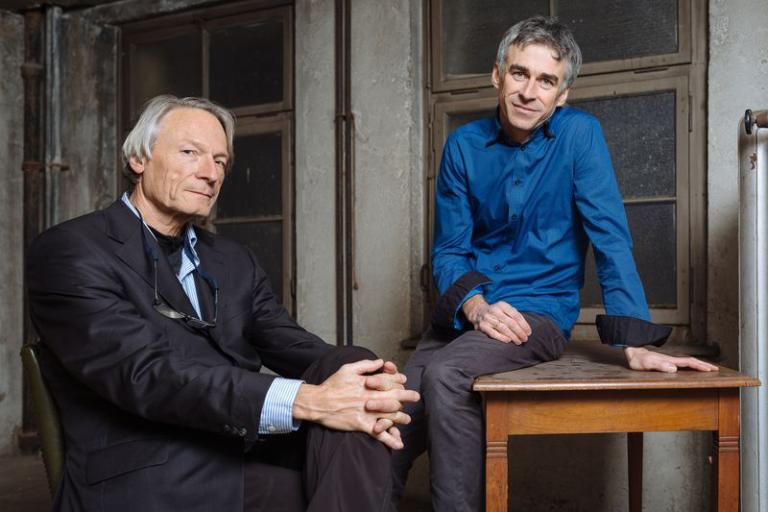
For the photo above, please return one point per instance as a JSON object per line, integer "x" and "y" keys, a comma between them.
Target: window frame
{"x": 275, "y": 116}
{"x": 444, "y": 83}
{"x": 257, "y": 126}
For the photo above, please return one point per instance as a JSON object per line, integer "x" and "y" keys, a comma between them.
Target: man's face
{"x": 529, "y": 88}
{"x": 183, "y": 176}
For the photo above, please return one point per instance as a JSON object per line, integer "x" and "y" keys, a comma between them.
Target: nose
{"x": 207, "y": 169}
{"x": 528, "y": 91}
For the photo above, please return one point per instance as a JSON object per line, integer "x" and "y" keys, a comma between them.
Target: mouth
{"x": 524, "y": 109}
{"x": 209, "y": 195}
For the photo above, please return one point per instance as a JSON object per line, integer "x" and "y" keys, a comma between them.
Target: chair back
{"x": 48, "y": 422}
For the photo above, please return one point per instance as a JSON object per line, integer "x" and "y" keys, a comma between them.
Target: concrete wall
{"x": 315, "y": 161}
{"x": 11, "y": 234}
{"x": 738, "y": 67}
{"x": 387, "y": 91}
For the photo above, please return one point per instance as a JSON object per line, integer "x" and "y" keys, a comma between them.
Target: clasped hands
{"x": 354, "y": 399}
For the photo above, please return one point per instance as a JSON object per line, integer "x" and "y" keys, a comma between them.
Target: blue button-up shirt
{"x": 524, "y": 214}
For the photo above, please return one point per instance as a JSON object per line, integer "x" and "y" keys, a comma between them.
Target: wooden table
{"x": 591, "y": 390}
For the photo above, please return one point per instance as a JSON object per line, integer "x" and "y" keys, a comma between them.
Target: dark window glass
{"x": 265, "y": 239}
{"x": 621, "y": 29}
{"x": 456, "y": 119}
{"x": 246, "y": 64}
{"x": 653, "y": 233}
{"x": 166, "y": 66}
{"x": 472, "y": 31}
{"x": 640, "y": 132}
{"x": 254, "y": 185}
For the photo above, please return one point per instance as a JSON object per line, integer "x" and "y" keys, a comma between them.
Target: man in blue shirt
{"x": 519, "y": 198}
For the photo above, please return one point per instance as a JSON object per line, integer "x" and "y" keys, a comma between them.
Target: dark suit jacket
{"x": 157, "y": 416}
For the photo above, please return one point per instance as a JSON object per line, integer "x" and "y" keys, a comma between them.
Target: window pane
{"x": 254, "y": 186}
{"x": 472, "y": 30}
{"x": 246, "y": 64}
{"x": 266, "y": 241}
{"x": 653, "y": 233}
{"x": 621, "y": 29}
{"x": 456, "y": 119}
{"x": 640, "y": 131}
{"x": 168, "y": 66}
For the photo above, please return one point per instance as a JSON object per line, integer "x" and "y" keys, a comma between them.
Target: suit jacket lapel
{"x": 213, "y": 263}
{"x": 125, "y": 228}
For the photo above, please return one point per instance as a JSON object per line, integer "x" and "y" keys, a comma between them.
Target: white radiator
{"x": 753, "y": 307}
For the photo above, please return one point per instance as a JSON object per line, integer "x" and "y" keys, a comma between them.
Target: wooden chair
{"x": 48, "y": 423}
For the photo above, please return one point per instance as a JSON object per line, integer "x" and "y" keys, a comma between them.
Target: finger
{"x": 385, "y": 381}
{"x": 383, "y": 405}
{"x": 397, "y": 418}
{"x": 382, "y": 425}
{"x": 488, "y": 328}
{"x": 695, "y": 364}
{"x": 363, "y": 366}
{"x": 516, "y": 317}
{"x": 395, "y": 443}
{"x": 517, "y": 337}
{"x": 390, "y": 367}
{"x": 395, "y": 432}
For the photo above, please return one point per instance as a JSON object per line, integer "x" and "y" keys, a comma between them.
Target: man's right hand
{"x": 499, "y": 321}
{"x": 345, "y": 401}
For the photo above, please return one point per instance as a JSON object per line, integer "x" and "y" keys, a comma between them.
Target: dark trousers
{"x": 448, "y": 421}
{"x": 317, "y": 469}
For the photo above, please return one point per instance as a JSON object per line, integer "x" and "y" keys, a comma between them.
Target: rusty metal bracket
{"x": 758, "y": 118}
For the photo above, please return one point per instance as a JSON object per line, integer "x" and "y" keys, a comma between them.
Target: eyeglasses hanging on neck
{"x": 163, "y": 308}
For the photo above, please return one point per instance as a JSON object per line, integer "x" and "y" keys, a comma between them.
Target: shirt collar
{"x": 190, "y": 231}
{"x": 498, "y": 135}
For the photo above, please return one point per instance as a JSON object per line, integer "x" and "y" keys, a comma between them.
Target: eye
{"x": 518, "y": 75}
{"x": 189, "y": 152}
{"x": 221, "y": 164}
{"x": 547, "y": 83}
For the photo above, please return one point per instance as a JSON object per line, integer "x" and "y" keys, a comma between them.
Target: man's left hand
{"x": 640, "y": 358}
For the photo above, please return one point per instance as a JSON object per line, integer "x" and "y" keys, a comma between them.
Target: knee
{"x": 444, "y": 380}
{"x": 334, "y": 359}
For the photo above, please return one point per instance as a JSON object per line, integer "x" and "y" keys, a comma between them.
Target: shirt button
{"x": 271, "y": 428}
{"x": 243, "y": 432}
{"x": 518, "y": 182}
{"x": 514, "y": 216}
{"x": 497, "y": 267}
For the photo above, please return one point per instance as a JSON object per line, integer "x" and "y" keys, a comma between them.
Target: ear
{"x": 495, "y": 78}
{"x": 136, "y": 165}
{"x": 562, "y": 97}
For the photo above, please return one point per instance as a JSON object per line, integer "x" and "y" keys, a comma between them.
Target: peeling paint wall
{"x": 387, "y": 93}
{"x": 11, "y": 233}
{"x": 737, "y": 80}
{"x": 88, "y": 105}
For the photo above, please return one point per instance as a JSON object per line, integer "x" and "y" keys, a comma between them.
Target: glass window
{"x": 242, "y": 60}
{"x": 247, "y": 63}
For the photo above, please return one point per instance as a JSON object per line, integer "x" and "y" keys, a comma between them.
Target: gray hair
{"x": 546, "y": 30}
{"x": 140, "y": 141}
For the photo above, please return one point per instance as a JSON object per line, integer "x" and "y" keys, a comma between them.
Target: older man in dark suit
{"x": 153, "y": 332}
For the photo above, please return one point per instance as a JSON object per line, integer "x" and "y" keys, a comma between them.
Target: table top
{"x": 593, "y": 366}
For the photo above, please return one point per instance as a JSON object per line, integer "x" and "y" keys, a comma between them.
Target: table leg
{"x": 725, "y": 468}
{"x": 496, "y": 463}
{"x": 635, "y": 462}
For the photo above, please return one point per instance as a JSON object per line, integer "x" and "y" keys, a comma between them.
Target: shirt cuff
{"x": 277, "y": 412}
{"x": 626, "y": 331}
{"x": 446, "y": 314}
